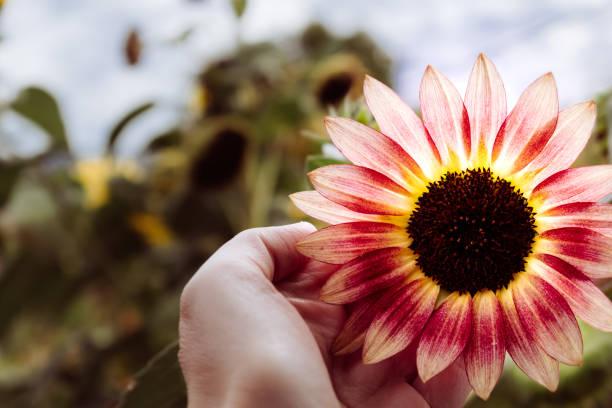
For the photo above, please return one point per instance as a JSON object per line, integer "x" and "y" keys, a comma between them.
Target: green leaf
{"x": 314, "y": 136}
{"x": 597, "y": 150}
{"x": 239, "y": 7}
{"x": 41, "y": 108}
{"x": 171, "y": 138}
{"x": 318, "y": 160}
{"x": 122, "y": 124}
{"x": 159, "y": 384}
{"x": 183, "y": 36}
{"x": 9, "y": 174}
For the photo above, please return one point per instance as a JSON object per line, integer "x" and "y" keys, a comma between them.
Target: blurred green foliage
{"x": 597, "y": 151}
{"x": 239, "y": 7}
{"x": 314, "y": 161}
{"x": 38, "y": 106}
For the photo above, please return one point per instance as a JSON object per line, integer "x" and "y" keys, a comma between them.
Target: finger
{"x": 449, "y": 389}
{"x": 356, "y": 382}
{"x": 396, "y": 394}
{"x": 303, "y": 292}
{"x": 232, "y": 290}
{"x": 270, "y": 250}
{"x": 240, "y": 271}
{"x": 308, "y": 283}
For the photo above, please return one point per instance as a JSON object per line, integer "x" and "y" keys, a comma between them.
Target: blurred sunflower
{"x": 95, "y": 174}
{"x": 217, "y": 160}
{"x": 474, "y": 211}
{"x": 152, "y": 228}
{"x": 336, "y": 78}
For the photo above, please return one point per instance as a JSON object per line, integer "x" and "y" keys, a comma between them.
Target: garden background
{"x": 138, "y": 136}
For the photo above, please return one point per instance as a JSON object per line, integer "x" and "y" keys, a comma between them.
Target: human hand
{"x": 253, "y": 333}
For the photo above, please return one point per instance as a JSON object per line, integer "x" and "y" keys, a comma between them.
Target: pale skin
{"x": 253, "y": 333}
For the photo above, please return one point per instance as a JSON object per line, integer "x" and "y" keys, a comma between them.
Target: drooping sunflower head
{"x": 337, "y": 77}
{"x": 95, "y": 176}
{"x": 465, "y": 229}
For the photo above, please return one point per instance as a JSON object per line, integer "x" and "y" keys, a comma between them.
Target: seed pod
{"x": 133, "y": 47}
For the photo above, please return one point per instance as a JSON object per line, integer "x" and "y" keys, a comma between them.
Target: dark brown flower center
{"x": 472, "y": 231}
{"x": 334, "y": 89}
{"x": 220, "y": 161}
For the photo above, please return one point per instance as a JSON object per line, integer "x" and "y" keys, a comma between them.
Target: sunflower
{"x": 95, "y": 174}
{"x": 465, "y": 230}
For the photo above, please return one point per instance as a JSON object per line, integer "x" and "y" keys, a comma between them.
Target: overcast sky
{"x": 74, "y": 49}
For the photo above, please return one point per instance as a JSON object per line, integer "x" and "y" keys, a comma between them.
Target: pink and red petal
{"x": 445, "y": 335}
{"x": 545, "y": 313}
{"x": 445, "y": 116}
{"x": 395, "y": 328}
{"x": 528, "y": 127}
{"x": 573, "y": 130}
{"x": 524, "y": 349}
{"x": 586, "y": 300}
{"x": 352, "y": 335}
{"x": 340, "y": 243}
{"x": 484, "y": 353}
{"x": 368, "y": 274}
{"x": 366, "y": 147}
{"x": 400, "y": 123}
{"x": 574, "y": 185}
{"x": 589, "y": 251}
{"x": 594, "y": 216}
{"x": 485, "y": 101}
{"x": 361, "y": 189}
{"x": 319, "y": 207}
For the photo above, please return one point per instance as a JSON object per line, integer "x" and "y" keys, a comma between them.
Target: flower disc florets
{"x": 472, "y": 231}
